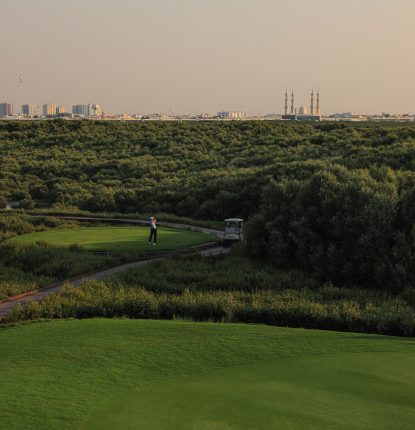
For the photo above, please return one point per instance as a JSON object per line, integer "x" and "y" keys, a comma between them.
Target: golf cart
{"x": 233, "y": 231}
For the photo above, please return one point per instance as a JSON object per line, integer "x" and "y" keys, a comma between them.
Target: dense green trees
{"x": 202, "y": 170}
{"x": 348, "y": 226}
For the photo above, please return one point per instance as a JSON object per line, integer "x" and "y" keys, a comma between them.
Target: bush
{"x": 285, "y": 308}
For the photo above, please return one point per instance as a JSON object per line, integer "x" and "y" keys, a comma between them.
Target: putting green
{"x": 126, "y": 374}
{"x": 340, "y": 391}
{"x": 121, "y": 239}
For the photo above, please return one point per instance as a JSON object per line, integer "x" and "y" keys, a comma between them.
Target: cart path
{"x": 7, "y": 306}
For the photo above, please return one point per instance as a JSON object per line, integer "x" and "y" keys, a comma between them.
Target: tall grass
{"x": 303, "y": 308}
{"x": 14, "y": 281}
{"x": 24, "y": 268}
{"x": 235, "y": 272}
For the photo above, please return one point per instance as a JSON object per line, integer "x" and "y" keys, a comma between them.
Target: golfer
{"x": 153, "y": 231}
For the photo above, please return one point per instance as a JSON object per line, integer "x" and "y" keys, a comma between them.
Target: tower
{"x": 312, "y": 103}
{"x": 292, "y": 103}
{"x": 286, "y": 103}
{"x": 21, "y": 93}
{"x": 318, "y": 103}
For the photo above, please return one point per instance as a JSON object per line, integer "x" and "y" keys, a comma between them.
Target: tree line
{"x": 200, "y": 170}
{"x": 352, "y": 227}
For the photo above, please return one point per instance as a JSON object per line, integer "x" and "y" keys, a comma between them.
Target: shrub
{"x": 284, "y": 308}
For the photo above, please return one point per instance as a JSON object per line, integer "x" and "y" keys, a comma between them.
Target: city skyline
{"x": 189, "y": 56}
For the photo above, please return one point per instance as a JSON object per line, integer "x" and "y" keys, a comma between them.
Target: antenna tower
{"x": 21, "y": 93}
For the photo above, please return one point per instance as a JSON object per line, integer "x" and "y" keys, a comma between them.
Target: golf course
{"x": 143, "y": 374}
{"x": 279, "y": 294}
{"x": 118, "y": 239}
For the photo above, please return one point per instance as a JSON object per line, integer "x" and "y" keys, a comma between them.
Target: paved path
{"x": 7, "y": 306}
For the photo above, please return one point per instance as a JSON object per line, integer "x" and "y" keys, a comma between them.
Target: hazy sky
{"x": 204, "y": 56}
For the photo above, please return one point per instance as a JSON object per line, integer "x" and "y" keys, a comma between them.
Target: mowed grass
{"x": 118, "y": 239}
{"x": 132, "y": 374}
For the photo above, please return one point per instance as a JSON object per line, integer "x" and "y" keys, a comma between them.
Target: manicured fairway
{"x": 121, "y": 239}
{"x": 125, "y": 374}
{"x": 354, "y": 391}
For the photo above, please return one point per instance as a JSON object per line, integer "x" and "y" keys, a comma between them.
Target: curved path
{"x": 7, "y": 305}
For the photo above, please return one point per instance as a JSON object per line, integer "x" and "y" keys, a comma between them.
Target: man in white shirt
{"x": 153, "y": 231}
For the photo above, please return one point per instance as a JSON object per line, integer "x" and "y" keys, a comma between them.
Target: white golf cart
{"x": 233, "y": 231}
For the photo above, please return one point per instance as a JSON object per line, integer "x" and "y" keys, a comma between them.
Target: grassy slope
{"x": 122, "y": 239}
{"x": 203, "y": 376}
{"x": 353, "y": 391}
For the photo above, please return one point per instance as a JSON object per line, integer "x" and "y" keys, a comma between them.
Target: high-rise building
{"x": 80, "y": 109}
{"x": 6, "y": 109}
{"x": 232, "y": 115}
{"x": 49, "y": 109}
{"x": 60, "y": 110}
{"x": 87, "y": 110}
{"x": 29, "y": 110}
{"x": 96, "y": 110}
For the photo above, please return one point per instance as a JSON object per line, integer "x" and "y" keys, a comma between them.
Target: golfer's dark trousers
{"x": 153, "y": 235}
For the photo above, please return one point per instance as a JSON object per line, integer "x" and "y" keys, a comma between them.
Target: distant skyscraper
{"x": 29, "y": 110}
{"x": 87, "y": 110}
{"x": 6, "y": 109}
{"x": 78, "y": 109}
{"x": 60, "y": 110}
{"x": 49, "y": 109}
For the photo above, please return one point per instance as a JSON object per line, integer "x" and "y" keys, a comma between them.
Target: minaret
{"x": 312, "y": 103}
{"x": 292, "y": 103}
{"x": 318, "y": 103}
{"x": 286, "y": 103}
